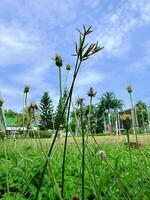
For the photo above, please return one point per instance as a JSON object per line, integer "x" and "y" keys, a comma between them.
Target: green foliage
{"x": 41, "y": 134}
{"x": 59, "y": 110}
{"x": 23, "y": 165}
{"x": 46, "y": 112}
{"x": 108, "y": 102}
{"x": 142, "y": 114}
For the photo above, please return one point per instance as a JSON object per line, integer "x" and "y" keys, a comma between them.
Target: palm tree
{"x": 108, "y": 102}
{"x": 118, "y": 104}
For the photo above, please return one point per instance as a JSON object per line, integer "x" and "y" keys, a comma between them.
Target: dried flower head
{"x": 129, "y": 89}
{"x": 68, "y": 67}
{"x": 101, "y": 154}
{"x": 26, "y": 89}
{"x": 91, "y": 92}
{"x": 79, "y": 101}
{"x": 58, "y": 60}
{"x": 1, "y": 102}
{"x": 32, "y": 107}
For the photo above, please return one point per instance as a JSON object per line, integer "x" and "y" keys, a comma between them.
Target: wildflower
{"x": 26, "y": 89}
{"x": 129, "y": 89}
{"x": 91, "y": 92}
{"x": 33, "y": 107}
{"x": 58, "y": 60}
{"x": 68, "y": 67}
{"x": 79, "y": 101}
{"x": 101, "y": 154}
{"x": 1, "y": 102}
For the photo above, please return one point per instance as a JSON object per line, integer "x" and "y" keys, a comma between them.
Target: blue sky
{"x": 32, "y": 31}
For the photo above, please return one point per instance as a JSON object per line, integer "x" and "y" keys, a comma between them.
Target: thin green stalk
{"x": 128, "y": 139}
{"x": 83, "y": 153}
{"x": 89, "y": 116}
{"x": 7, "y": 175}
{"x": 66, "y": 79}
{"x": 61, "y": 117}
{"x": 65, "y": 149}
{"x": 133, "y": 118}
{"x": 120, "y": 184}
{"x": 66, "y": 137}
{"x": 82, "y": 54}
{"x": 3, "y": 120}
{"x": 94, "y": 181}
{"x": 23, "y": 116}
{"x": 60, "y": 86}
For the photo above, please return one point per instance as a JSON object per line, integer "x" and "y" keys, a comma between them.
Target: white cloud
{"x": 89, "y": 78}
{"x": 113, "y": 32}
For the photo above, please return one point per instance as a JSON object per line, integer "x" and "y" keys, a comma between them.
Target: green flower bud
{"x": 58, "y": 60}
{"x": 129, "y": 89}
{"x": 26, "y": 89}
{"x": 68, "y": 67}
{"x": 91, "y": 92}
{"x": 79, "y": 101}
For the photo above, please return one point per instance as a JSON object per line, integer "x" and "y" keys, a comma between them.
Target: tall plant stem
{"x": 65, "y": 149}
{"x": 83, "y": 152}
{"x": 133, "y": 118}
{"x": 128, "y": 139}
{"x": 3, "y": 120}
{"x": 77, "y": 67}
{"x": 89, "y": 116}
{"x": 23, "y": 116}
{"x": 60, "y": 86}
{"x": 66, "y": 137}
{"x": 66, "y": 79}
{"x": 27, "y": 114}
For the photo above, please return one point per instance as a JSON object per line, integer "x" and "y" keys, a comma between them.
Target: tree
{"x": 59, "y": 110}
{"x": 108, "y": 104}
{"x": 142, "y": 116}
{"x": 46, "y": 112}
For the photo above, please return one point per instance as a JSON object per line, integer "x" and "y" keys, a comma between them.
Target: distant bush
{"x": 41, "y": 134}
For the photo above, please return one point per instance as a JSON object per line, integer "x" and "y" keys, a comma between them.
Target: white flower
{"x": 101, "y": 154}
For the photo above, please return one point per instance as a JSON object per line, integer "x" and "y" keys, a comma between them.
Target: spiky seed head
{"x": 94, "y": 125}
{"x": 79, "y": 101}
{"x": 33, "y": 107}
{"x": 129, "y": 89}
{"x": 26, "y": 89}
{"x": 68, "y": 67}
{"x": 91, "y": 92}
{"x": 1, "y": 102}
{"x": 58, "y": 60}
{"x": 101, "y": 154}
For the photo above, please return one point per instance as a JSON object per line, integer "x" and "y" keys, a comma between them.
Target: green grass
{"x": 21, "y": 163}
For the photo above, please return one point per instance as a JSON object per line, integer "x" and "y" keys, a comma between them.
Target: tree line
{"x": 103, "y": 114}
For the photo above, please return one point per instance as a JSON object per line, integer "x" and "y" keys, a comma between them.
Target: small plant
{"x": 129, "y": 90}
{"x": 25, "y": 107}
{"x": 82, "y": 52}
{"x": 127, "y": 120}
{"x": 91, "y": 93}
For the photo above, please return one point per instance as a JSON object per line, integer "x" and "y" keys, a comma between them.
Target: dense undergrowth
{"x": 111, "y": 177}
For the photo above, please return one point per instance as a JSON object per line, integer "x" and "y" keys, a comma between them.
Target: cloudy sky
{"x": 32, "y": 31}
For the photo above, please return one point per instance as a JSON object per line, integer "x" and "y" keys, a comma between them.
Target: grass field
{"x": 113, "y": 176}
